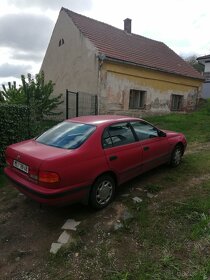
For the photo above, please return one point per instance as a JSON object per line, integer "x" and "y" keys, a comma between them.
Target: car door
{"x": 122, "y": 150}
{"x": 154, "y": 143}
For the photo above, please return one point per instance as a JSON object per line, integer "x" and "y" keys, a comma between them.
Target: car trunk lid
{"x": 26, "y": 157}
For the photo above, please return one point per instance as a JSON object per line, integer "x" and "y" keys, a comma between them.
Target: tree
{"x": 12, "y": 94}
{"x": 38, "y": 96}
{"x": 35, "y": 93}
{"x": 1, "y": 98}
{"x": 192, "y": 60}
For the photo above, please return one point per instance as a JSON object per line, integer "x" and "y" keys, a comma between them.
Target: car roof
{"x": 102, "y": 119}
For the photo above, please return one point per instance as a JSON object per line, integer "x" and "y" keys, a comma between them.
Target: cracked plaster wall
{"x": 116, "y": 82}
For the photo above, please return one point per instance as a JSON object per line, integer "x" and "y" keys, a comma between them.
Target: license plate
{"x": 20, "y": 166}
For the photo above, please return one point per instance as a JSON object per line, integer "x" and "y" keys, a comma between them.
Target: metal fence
{"x": 80, "y": 104}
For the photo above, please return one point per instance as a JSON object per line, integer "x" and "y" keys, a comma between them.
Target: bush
{"x": 14, "y": 126}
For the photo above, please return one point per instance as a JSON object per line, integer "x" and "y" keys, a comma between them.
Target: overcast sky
{"x": 26, "y": 27}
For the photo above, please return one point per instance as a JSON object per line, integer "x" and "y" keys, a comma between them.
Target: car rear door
{"x": 155, "y": 145}
{"x": 123, "y": 151}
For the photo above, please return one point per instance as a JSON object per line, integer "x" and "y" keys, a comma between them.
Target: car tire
{"x": 176, "y": 156}
{"x": 102, "y": 192}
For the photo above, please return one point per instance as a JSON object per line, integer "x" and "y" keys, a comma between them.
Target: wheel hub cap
{"x": 104, "y": 192}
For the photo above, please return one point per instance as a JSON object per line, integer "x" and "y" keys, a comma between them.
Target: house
{"x": 129, "y": 73}
{"x": 205, "y": 60}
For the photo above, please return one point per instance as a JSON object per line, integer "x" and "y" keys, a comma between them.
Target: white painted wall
{"x": 74, "y": 65}
{"x": 207, "y": 67}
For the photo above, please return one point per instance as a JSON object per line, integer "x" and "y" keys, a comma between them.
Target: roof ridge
{"x": 109, "y": 25}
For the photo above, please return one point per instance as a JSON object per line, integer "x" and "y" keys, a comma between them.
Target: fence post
{"x": 67, "y": 104}
{"x": 77, "y": 104}
{"x": 29, "y": 113}
{"x": 96, "y": 105}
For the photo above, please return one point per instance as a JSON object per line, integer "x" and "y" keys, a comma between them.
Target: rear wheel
{"x": 176, "y": 156}
{"x": 102, "y": 191}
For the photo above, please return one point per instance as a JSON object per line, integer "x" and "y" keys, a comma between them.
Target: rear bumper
{"x": 48, "y": 196}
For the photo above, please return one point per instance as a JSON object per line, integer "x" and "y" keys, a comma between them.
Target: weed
{"x": 153, "y": 188}
{"x": 202, "y": 227}
{"x": 118, "y": 276}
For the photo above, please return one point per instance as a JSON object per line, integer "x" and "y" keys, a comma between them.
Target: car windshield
{"x": 67, "y": 135}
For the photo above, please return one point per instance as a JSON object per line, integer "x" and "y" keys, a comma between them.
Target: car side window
{"x": 118, "y": 135}
{"x": 144, "y": 130}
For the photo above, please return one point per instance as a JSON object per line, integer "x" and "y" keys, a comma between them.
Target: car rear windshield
{"x": 67, "y": 135}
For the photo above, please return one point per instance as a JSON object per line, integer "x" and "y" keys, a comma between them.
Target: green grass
{"x": 177, "y": 233}
{"x": 175, "y": 238}
{"x": 194, "y": 125}
{"x": 153, "y": 188}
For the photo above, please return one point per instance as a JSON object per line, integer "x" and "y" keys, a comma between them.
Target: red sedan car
{"x": 85, "y": 158}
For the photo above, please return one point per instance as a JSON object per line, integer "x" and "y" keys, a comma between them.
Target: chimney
{"x": 127, "y": 25}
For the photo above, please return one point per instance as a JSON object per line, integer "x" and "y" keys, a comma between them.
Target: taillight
{"x": 48, "y": 177}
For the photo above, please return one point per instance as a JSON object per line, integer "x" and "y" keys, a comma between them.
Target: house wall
{"x": 206, "y": 90}
{"x": 118, "y": 79}
{"x": 74, "y": 64}
{"x": 206, "y": 84}
{"x": 207, "y": 67}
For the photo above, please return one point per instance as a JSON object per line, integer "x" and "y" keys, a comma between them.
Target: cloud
{"x": 27, "y": 56}
{"x": 79, "y": 5}
{"x": 24, "y": 38}
{"x": 25, "y": 32}
{"x": 12, "y": 70}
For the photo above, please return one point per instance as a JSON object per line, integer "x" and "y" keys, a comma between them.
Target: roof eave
{"x": 203, "y": 57}
{"x": 149, "y": 67}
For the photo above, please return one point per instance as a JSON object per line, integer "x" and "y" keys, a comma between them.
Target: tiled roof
{"x": 117, "y": 44}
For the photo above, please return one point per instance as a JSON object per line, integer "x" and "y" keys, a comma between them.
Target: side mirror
{"x": 161, "y": 133}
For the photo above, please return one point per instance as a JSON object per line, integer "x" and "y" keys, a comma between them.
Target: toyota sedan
{"x": 86, "y": 158}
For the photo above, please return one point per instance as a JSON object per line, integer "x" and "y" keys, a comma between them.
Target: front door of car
{"x": 122, "y": 151}
{"x": 154, "y": 144}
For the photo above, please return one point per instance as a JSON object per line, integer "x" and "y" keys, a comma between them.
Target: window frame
{"x": 142, "y": 95}
{"x": 179, "y": 102}
{"x": 112, "y": 144}
{"x": 152, "y": 136}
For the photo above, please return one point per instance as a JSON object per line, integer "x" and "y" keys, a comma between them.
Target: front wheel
{"x": 176, "y": 156}
{"x": 102, "y": 191}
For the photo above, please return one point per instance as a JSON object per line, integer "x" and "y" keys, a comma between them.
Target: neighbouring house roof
{"x": 130, "y": 48}
{"x": 204, "y": 59}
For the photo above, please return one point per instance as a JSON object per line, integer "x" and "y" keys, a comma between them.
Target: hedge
{"x": 14, "y": 126}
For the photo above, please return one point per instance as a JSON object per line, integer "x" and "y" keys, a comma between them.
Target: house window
{"x": 137, "y": 99}
{"x": 61, "y": 42}
{"x": 176, "y": 102}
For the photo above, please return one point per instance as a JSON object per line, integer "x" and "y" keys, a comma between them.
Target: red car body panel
{"x": 79, "y": 168}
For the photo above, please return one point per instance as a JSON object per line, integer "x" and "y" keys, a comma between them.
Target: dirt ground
{"x": 28, "y": 229}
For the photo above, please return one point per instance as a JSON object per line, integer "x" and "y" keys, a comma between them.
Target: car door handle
{"x": 146, "y": 148}
{"x": 112, "y": 158}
